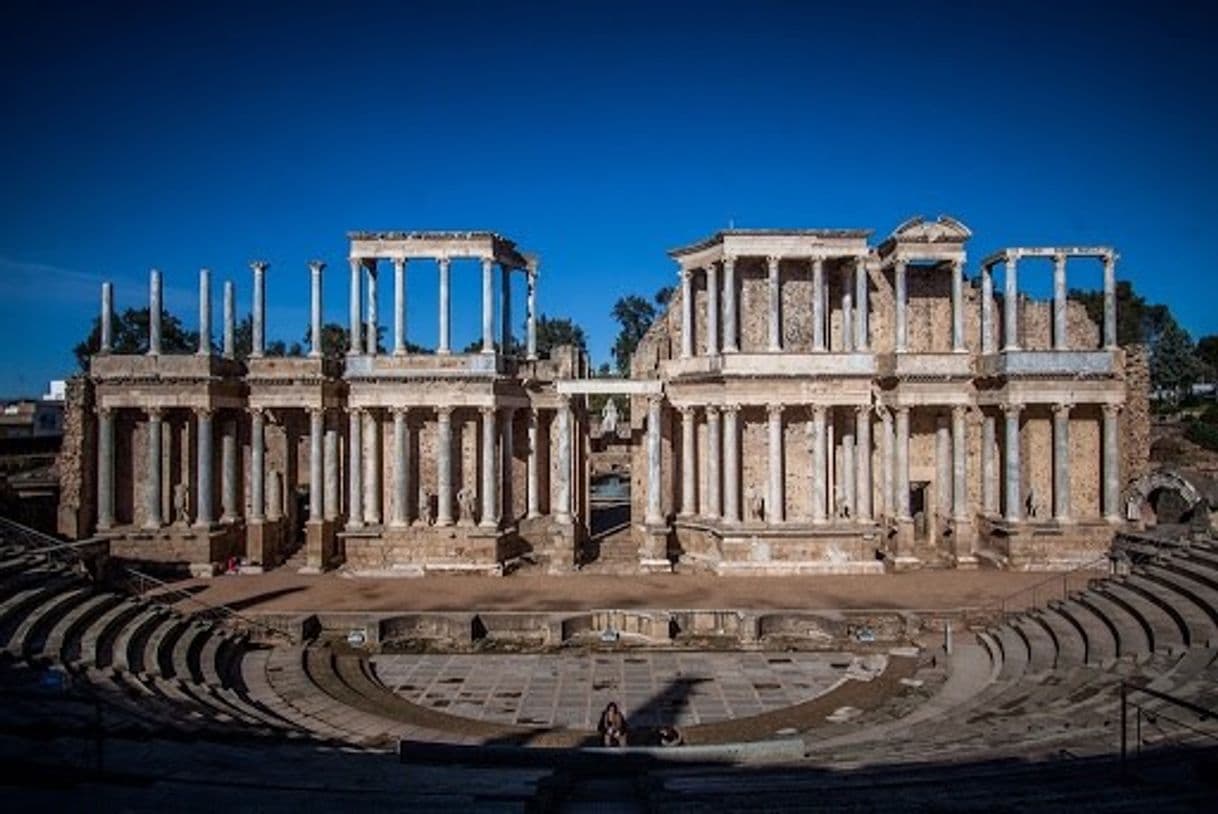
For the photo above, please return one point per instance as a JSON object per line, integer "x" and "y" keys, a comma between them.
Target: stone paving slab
{"x": 571, "y": 689}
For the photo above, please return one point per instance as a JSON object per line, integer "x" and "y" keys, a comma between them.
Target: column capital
{"x": 774, "y": 410}
{"x": 712, "y": 412}
{"x": 399, "y": 410}
{"x": 1112, "y": 410}
{"x": 772, "y": 261}
{"x": 684, "y": 274}
{"x": 444, "y": 411}
{"x": 355, "y": 263}
{"x": 729, "y": 260}
{"x": 317, "y": 266}
{"x": 1011, "y": 410}
{"x": 819, "y": 411}
{"x": 487, "y": 412}
{"x": 204, "y": 412}
{"x": 731, "y": 408}
{"x": 687, "y": 412}
{"x": 653, "y": 400}
{"x": 104, "y": 411}
{"x": 443, "y": 261}
{"x": 317, "y": 411}
{"x": 259, "y": 266}
{"x": 1062, "y": 409}
{"x": 709, "y": 267}
{"x": 1059, "y": 260}
{"x": 154, "y": 413}
{"x": 901, "y": 409}
{"x": 1011, "y": 259}
{"x": 862, "y": 409}
{"x": 399, "y": 263}
{"x": 488, "y": 262}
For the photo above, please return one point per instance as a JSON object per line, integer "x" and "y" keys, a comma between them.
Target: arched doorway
{"x": 1165, "y": 497}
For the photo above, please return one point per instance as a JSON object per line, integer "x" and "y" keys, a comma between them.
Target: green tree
{"x": 1207, "y": 352}
{"x": 664, "y": 295}
{"x": 1138, "y": 321}
{"x": 635, "y": 315}
{"x": 1174, "y": 365}
{"x": 555, "y": 331}
{"x": 130, "y": 336}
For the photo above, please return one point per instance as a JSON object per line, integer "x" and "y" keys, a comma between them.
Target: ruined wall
{"x": 77, "y": 461}
{"x": 1135, "y": 418}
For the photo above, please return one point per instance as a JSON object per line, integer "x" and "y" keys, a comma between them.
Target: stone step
{"x": 1132, "y": 637}
{"x": 127, "y": 648}
{"x": 96, "y": 641}
{"x": 155, "y": 655}
{"x": 1015, "y": 653}
{"x": 1200, "y": 570}
{"x": 1042, "y": 650}
{"x": 1071, "y": 646}
{"x": 1098, "y": 632}
{"x": 1195, "y": 589}
{"x": 15, "y": 608}
{"x": 259, "y": 690}
{"x": 1169, "y": 632}
{"x": 39, "y": 618}
{"x": 70, "y": 627}
{"x": 1196, "y": 621}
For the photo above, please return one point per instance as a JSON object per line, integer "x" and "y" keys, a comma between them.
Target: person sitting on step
{"x": 612, "y": 726}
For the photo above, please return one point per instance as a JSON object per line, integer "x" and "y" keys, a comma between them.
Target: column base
{"x": 321, "y": 549}
{"x": 263, "y": 542}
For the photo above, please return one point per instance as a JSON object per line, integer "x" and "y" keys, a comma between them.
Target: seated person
{"x": 612, "y": 726}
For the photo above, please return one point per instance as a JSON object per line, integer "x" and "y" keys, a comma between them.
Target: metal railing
{"x": 1053, "y": 588}
{"x": 1153, "y": 717}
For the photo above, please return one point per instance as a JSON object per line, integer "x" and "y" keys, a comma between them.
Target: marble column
{"x": 687, "y": 314}
{"x": 989, "y": 472}
{"x": 444, "y": 343}
{"x": 444, "y": 466}
{"x": 848, "y": 461}
{"x": 507, "y": 445}
{"x": 355, "y": 344}
{"x": 1110, "y": 307}
{"x": 712, "y": 310}
{"x": 775, "y": 304}
{"x": 315, "y": 269}
{"x": 259, "y": 308}
{"x": 959, "y": 464}
{"x": 1010, "y": 305}
{"x": 274, "y": 496}
{"x": 204, "y": 312}
{"x": 1112, "y": 464}
{"x": 1061, "y": 462}
{"x": 818, "y": 304}
{"x": 230, "y": 320}
{"x": 688, "y": 440}
{"x": 847, "y": 310}
{"x": 654, "y": 515}
{"x": 863, "y": 489}
{"x": 1061, "y": 338}
{"x": 154, "y": 313}
{"x": 987, "y": 310}
{"x": 490, "y": 499}
{"x": 505, "y": 308}
{"x": 373, "y": 328}
{"x": 257, "y": 465}
{"x": 534, "y": 473}
{"x": 958, "y": 306}
{"x": 776, "y": 501}
{"x": 488, "y": 306}
{"x": 562, "y": 511}
{"x": 531, "y": 305}
{"x": 317, "y": 421}
{"x": 714, "y": 447}
{"x": 355, "y": 469}
{"x": 862, "y": 320}
{"x": 107, "y": 317}
{"x": 399, "y": 306}
{"x": 372, "y": 468}
{"x": 228, "y": 472}
{"x": 820, "y": 466}
{"x": 1012, "y": 473}
{"x": 902, "y": 464}
{"x": 105, "y": 468}
{"x": 731, "y": 463}
{"x": 730, "y": 314}
{"x": 943, "y": 468}
{"x": 887, "y": 471}
{"x": 330, "y": 501}
{"x": 900, "y": 284}
{"x": 204, "y": 462}
{"x": 401, "y": 468}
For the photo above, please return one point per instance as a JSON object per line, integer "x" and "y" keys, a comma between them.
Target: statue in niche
{"x": 609, "y": 418}
{"x": 1032, "y": 504}
{"x": 181, "y": 503}
{"x": 755, "y": 503}
{"x": 426, "y": 517}
{"x": 465, "y": 505}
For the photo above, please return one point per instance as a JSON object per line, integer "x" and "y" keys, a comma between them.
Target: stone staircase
{"x": 614, "y": 553}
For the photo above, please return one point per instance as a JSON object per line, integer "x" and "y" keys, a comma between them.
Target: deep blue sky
{"x": 599, "y": 135}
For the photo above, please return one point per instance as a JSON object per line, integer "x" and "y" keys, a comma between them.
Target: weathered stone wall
{"x": 1135, "y": 418}
{"x": 77, "y": 461}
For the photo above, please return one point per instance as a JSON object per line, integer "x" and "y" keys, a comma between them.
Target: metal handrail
{"x": 1127, "y": 688}
{"x": 1062, "y": 577}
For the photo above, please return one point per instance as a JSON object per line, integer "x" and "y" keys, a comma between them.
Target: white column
{"x": 1061, "y": 339}
{"x": 154, "y": 314}
{"x": 505, "y": 308}
{"x": 257, "y": 465}
{"x": 445, "y": 339}
{"x": 534, "y": 470}
{"x": 959, "y": 464}
{"x": 105, "y": 468}
{"x": 714, "y": 447}
{"x": 818, "y": 304}
{"x": 152, "y": 492}
{"x": 1061, "y": 462}
{"x": 1010, "y": 305}
{"x": 316, "y": 465}
{"x": 399, "y": 306}
{"x": 847, "y": 310}
{"x": 372, "y": 468}
{"x": 987, "y": 310}
{"x": 356, "y": 309}
{"x": 712, "y": 310}
{"x": 775, "y": 304}
{"x": 730, "y": 315}
{"x": 401, "y": 468}
{"x": 731, "y": 463}
{"x": 902, "y": 305}
{"x": 1112, "y": 464}
{"x": 490, "y": 499}
{"x": 230, "y": 320}
{"x": 958, "y": 306}
{"x": 330, "y": 500}
{"x": 862, "y": 431}
{"x": 259, "y": 315}
{"x": 848, "y": 456}
{"x": 315, "y": 269}
{"x": 687, "y": 314}
{"x": 688, "y": 438}
{"x": 507, "y": 497}
{"x": 887, "y": 448}
{"x": 107, "y": 317}
{"x": 943, "y": 467}
{"x": 204, "y": 459}
{"x": 355, "y": 470}
{"x": 654, "y": 514}
{"x": 775, "y": 505}
{"x": 1011, "y": 468}
{"x": 562, "y": 511}
{"x": 862, "y": 340}
{"x": 373, "y": 329}
{"x": 989, "y": 472}
{"x": 531, "y": 304}
{"x": 228, "y": 472}
{"x": 1110, "y": 307}
{"x": 488, "y": 306}
{"x": 820, "y": 466}
{"x": 444, "y": 466}
{"x": 204, "y": 312}
{"x": 902, "y": 464}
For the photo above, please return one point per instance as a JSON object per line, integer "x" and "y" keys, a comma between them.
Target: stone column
{"x": 1011, "y": 470}
{"x": 887, "y": 450}
{"x": 204, "y": 312}
{"x": 315, "y": 269}
{"x": 847, "y": 310}
{"x": 355, "y": 469}
{"x": 401, "y": 469}
{"x": 1061, "y": 462}
{"x": 399, "y": 306}
{"x": 989, "y": 473}
{"x": 862, "y": 432}
{"x": 848, "y": 461}
{"x": 731, "y": 463}
{"x": 958, "y": 306}
{"x": 943, "y": 468}
{"x": 228, "y": 472}
{"x": 373, "y": 329}
{"x": 105, "y": 468}
{"x": 730, "y": 315}
{"x": 820, "y": 466}
{"x": 230, "y": 320}
{"x": 1010, "y": 305}
{"x": 317, "y": 507}
{"x": 1112, "y": 464}
{"x": 488, "y": 306}
{"x": 688, "y": 438}
{"x": 902, "y": 464}
{"x": 987, "y": 310}
{"x": 654, "y": 514}
{"x": 355, "y": 328}
{"x": 257, "y": 465}
{"x": 1110, "y": 308}
{"x": 902, "y": 305}
{"x": 862, "y": 341}
{"x": 444, "y": 344}
{"x": 505, "y": 307}
{"x": 1061, "y": 339}
{"x": 490, "y": 499}
{"x": 330, "y": 501}
{"x": 775, "y": 504}
{"x": 714, "y": 447}
{"x": 507, "y": 497}
{"x": 259, "y": 316}
{"x": 372, "y": 468}
{"x": 562, "y": 512}
{"x": 687, "y": 314}
{"x": 204, "y": 458}
{"x": 444, "y": 466}
{"x": 531, "y": 305}
{"x": 274, "y": 496}
{"x": 818, "y": 303}
{"x": 534, "y": 470}
{"x": 107, "y": 317}
{"x": 712, "y": 309}
{"x": 154, "y": 313}
{"x": 959, "y": 464}
{"x": 775, "y": 304}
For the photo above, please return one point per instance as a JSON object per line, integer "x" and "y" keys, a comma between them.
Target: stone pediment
{"x": 944, "y": 229}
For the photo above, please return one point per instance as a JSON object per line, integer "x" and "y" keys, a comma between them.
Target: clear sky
{"x": 182, "y": 135}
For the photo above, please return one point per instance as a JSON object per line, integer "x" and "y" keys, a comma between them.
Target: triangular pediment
{"x": 944, "y": 229}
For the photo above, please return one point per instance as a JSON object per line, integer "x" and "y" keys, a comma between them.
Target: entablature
{"x": 439, "y": 244}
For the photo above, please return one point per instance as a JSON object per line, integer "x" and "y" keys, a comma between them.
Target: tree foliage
{"x": 634, "y": 315}
{"x": 1174, "y": 364}
{"x": 130, "y": 336}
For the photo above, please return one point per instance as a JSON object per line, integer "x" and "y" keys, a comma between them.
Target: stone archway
{"x": 1165, "y": 496}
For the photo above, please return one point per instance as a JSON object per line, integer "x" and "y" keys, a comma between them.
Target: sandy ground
{"x": 281, "y": 591}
